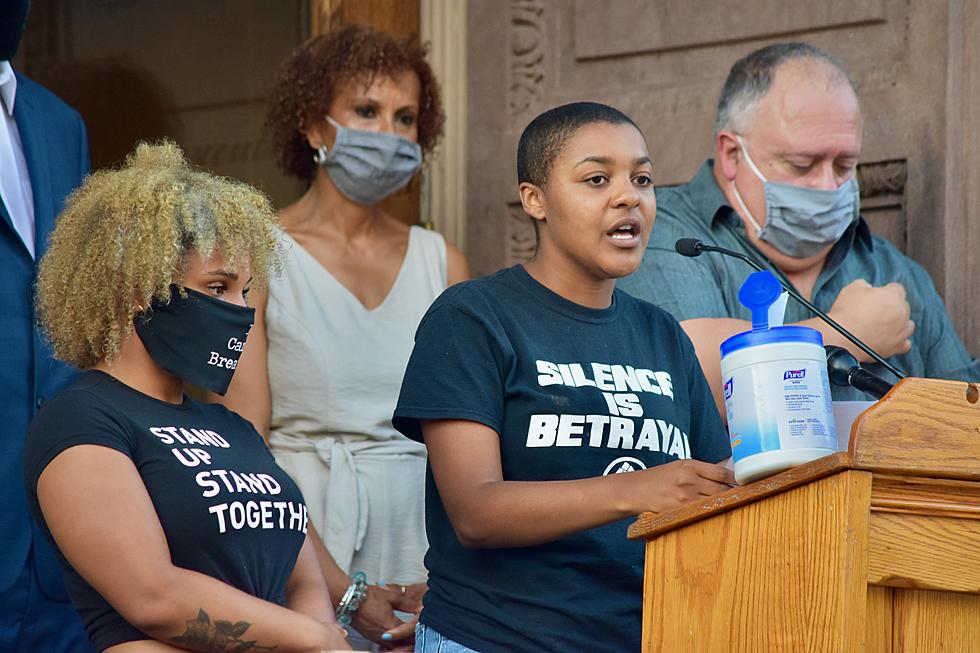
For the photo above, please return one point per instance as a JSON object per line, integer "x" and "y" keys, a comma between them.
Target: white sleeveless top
{"x": 335, "y": 370}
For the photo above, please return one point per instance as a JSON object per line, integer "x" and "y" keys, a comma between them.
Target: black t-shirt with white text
{"x": 573, "y": 393}
{"x": 226, "y": 508}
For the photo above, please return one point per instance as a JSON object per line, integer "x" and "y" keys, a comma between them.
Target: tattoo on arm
{"x": 217, "y": 636}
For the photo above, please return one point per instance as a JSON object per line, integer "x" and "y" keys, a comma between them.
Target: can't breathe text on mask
{"x": 197, "y": 338}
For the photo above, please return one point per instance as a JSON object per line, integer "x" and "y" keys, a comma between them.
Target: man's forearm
{"x": 707, "y": 334}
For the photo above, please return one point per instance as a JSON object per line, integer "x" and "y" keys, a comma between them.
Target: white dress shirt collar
{"x": 8, "y": 87}
{"x": 16, "y": 192}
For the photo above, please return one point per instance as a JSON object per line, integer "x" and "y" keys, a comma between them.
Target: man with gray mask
{"x": 783, "y": 190}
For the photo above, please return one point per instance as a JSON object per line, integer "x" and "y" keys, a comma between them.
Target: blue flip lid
{"x": 758, "y": 293}
{"x": 795, "y": 334}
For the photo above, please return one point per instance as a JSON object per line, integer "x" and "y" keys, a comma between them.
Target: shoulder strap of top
{"x": 431, "y": 254}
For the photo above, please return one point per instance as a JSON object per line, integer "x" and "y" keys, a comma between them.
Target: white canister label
{"x": 778, "y": 405}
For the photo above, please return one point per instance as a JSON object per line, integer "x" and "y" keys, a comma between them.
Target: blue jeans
{"x": 430, "y": 641}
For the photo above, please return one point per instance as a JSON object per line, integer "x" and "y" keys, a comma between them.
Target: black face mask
{"x": 196, "y": 338}
{"x": 13, "y": 21}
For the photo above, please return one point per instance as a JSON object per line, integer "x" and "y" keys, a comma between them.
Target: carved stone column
{"x": 443, "y": 27}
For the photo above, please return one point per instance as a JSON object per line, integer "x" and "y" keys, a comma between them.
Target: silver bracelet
{"x": 352, "y": 598}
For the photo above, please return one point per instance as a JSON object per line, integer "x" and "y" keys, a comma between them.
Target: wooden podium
{"x": 876, "y": 549}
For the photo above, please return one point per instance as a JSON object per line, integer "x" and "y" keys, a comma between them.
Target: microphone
{"x": 844, "y": 370}
{"x": 692, "y": 247}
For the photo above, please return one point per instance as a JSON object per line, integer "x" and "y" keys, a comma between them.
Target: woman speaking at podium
{"x": 555, "y": 408}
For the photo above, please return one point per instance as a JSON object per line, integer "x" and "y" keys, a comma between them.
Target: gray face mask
{"x": 368, "y": 166}
{"x": 801, "y": 222}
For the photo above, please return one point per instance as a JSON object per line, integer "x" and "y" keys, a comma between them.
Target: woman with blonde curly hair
{"x": 176, "y": 528}
{"x": 353, "y": 112}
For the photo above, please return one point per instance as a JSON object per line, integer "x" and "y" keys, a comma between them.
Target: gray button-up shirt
{"x": 707, "y": 286}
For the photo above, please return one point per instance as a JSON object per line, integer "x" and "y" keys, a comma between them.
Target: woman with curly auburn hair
{"x": 176, "y": 528}
{"x": 353, "y": 112}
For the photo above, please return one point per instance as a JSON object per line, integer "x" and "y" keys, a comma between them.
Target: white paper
{"x": 845, "y": 412}
{"x": 777, "y": 311}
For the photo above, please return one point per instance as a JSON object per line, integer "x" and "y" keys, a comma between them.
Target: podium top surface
{"x": 922, "y": 427}
{"x": 651, "y": 524}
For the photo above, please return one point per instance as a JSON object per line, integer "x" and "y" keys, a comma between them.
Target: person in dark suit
{"x": 43, "y": 157}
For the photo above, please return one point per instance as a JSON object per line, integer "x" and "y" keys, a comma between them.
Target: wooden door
{"x": 197, "y": 73}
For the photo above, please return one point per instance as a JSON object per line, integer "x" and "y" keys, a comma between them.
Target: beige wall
{"x": 916, "y": 64}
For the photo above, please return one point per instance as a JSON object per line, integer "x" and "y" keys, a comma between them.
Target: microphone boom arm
{"x": 693, "y": 247}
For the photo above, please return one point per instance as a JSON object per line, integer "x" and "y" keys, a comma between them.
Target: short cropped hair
{"x": 127, "y": 234}
{"x": 545, "y": 136}
{"x": 308, "y": 80}
{"x": 751, "y": 78}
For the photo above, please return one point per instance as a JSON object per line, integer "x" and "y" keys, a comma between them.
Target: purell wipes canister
{"x": 777, "y": 393}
